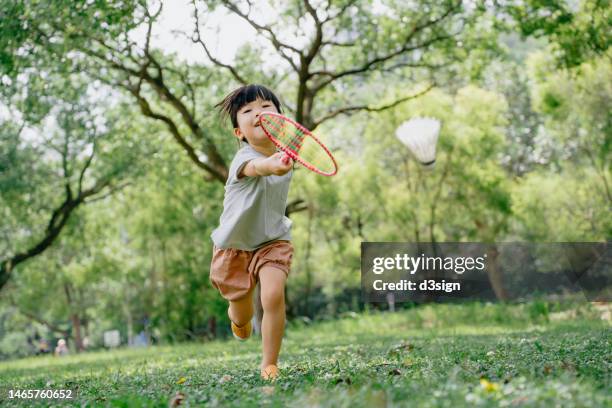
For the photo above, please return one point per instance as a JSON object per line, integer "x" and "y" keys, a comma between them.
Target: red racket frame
{"x": 293, "y": 154}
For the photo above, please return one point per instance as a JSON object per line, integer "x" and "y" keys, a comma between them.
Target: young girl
{"x": 252, "y": 242}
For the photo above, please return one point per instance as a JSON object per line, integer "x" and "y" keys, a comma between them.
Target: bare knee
{"x": 272, "y": 282}
{"x": 273, "y": 297}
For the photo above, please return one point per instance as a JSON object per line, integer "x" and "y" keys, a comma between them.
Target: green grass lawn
{"x": 534, "y": 354}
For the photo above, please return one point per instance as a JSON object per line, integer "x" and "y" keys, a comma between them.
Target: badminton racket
{"x": 298, "y": 143}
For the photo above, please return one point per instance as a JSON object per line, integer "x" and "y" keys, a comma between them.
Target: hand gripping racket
{"x": 298, "y": 143}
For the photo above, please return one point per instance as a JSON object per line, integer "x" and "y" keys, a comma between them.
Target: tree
{"x": 344, "y": 47}
{"x": 329, "y": 48}
{"x": 96, "y": 40}
{"x": 346, "y": 41}
{"x": 578, "y": 30}
{"x": 383, "y": 195}
{"x": 570, "y": 201}
{"x": 62, "y": 156}
{"x": 575, "y": 106}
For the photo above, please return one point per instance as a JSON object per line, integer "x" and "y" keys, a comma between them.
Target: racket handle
{"x": 286, "y": 158}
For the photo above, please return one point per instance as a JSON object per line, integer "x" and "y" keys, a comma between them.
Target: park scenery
{"x": 448, "y": 125}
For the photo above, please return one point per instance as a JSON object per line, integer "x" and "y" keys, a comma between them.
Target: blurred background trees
{"x": 112, "y": 157}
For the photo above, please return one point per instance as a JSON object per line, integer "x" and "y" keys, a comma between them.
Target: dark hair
{"x": 231, "y": 104}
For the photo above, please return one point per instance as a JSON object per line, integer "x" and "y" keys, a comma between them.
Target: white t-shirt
{"x": 253, "y": 207}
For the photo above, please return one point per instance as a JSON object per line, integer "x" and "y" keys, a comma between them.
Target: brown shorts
{"x": 235, "y": 272}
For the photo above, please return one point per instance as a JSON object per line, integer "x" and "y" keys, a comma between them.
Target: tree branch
{"x": 190, "y": 87}
{"x": 216, "y": 166}
{"x": 145, "y": 108}
{"x": 278, "y": 45}
{"x": 316, "y": 42}
{"x": 58, "y": 220}
{"x": 86, "y": 166}
{"x": 111, "y": 190}
{"x": 339, "y": 44}
{"x": 294, "y": 206}
{"x": 340, "y": 12}
{"x": 366, "y": 66}
{"x": 332, "y": 76}
{"x": 197, "y": 39}
{"x": 348, "y": 109}
{"x": 44, "y": 322}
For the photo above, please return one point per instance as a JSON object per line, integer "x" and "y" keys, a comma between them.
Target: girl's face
{"x": 248, "y": 123}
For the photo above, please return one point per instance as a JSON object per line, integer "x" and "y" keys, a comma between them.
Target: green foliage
{"x": 578, "y": 30}
{"x": 13, "y": 345}
{"x": 576, "y": 106}
{"x": 561, "y": 207}
{"x": 438, "y": 355}
{"x": 381, "y": 194}
{"x": 571, "y": 204}
{"x": 524, "y": 153}
{"x": 36, "y": 33}
{"x": 527, "y": 146}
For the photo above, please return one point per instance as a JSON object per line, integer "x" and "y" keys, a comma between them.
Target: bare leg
{"x": 241, "y": 311}
{"x": 272, "y": 281}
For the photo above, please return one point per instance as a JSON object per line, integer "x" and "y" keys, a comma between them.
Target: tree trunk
{"x": 391, "y": 301}
{"x": 494, "y": 271}
{"x": 212, "y": 327}
{"x": 496, "y": 276}
{"x": 129, "y": 324}
{"x": 74, "y": 318}
{"x": 76, "y": 332}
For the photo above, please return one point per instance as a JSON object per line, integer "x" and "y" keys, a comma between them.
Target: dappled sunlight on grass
{"x": 435, "y": 355}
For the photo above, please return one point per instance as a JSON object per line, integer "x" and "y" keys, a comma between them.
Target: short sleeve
{"x": 243, "y": 156}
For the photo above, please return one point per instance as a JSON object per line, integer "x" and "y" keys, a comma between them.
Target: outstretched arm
{"x": 273, "y": 165}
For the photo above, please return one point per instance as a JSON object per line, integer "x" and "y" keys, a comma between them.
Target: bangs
{"x": 232, "y": 103}
{"x": 251, "y": 92}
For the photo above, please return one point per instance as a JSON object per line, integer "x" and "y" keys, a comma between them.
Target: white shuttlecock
{"x": 420, "y": 135}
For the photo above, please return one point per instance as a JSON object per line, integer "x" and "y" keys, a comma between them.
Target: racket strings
{"x": 296, "y": 140}
{"x": 292, "y": 136}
